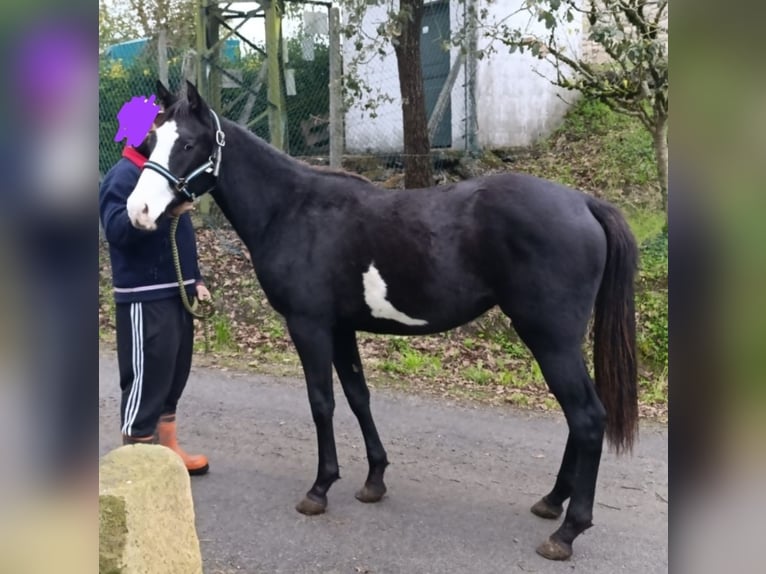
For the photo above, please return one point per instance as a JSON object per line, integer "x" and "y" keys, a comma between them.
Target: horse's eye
{"x": 188, "y": 146}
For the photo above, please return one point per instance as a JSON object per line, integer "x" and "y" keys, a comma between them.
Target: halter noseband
{"x": 212, "y": 165}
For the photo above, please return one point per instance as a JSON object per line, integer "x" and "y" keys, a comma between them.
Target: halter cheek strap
{"x": 220, "y": 142}
{"x": 211, "y": 166}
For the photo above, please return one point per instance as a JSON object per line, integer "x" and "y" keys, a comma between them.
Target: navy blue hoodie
{"x": 142, "y": 261}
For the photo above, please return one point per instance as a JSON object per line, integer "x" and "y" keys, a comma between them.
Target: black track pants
{"x": 155, "y": 341}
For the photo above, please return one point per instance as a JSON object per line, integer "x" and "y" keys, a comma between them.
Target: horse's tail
{"x": 615, "y": 329}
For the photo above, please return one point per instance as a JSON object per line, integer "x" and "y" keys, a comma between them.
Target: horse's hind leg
{"x": 552, "y": 504}
{"x": 314, "y": 345}
{"x": 568, "y": 379}
{"x": 349, "y": 369}
{"x": 555, "y": 341}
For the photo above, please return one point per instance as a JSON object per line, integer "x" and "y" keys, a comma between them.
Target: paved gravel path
{"x": 460, "y": 484}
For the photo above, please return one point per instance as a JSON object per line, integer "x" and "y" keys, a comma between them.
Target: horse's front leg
{"x": 349, "y": 368}
{"x": 313, "y": 341}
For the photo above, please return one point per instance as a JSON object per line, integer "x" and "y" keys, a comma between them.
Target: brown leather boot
{"x": 166, "y": 430}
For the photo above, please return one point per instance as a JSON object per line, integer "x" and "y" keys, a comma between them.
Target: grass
{"x": 479, "y": 375}
{"x": 519, "y": 399}
{"x": 652, "y": 304}
{"x": 275, "y": 327}
{"x": 654, "y": 391}
{"x": 222, "y": 335}
{"x": 597, "y": 150}
{"x": 412, "y": 362}
{"x": 645, "y": 224}
{"x": 627, "y": 156}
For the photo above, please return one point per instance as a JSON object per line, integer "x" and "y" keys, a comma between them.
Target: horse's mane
{"x": 181, "y": 109}
{"x": 338, "y": 171}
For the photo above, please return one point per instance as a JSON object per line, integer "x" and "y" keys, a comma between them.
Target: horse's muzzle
{"x": 142, "y": 220}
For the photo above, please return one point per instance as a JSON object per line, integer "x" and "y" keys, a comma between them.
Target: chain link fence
{"x": 244, "y": 101}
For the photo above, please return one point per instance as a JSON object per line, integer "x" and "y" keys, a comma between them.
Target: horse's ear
{"x": 163, "y": 94}
{"x": 196, "y": 103}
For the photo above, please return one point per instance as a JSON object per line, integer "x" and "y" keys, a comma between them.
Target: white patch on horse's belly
{"x": 375, "y": 296}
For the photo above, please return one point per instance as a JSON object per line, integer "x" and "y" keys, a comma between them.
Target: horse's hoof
{"x": 545, "y": 509}
{"x": 311, "y": 507}
{"x": 555, "y": 550}
{"x": 370, "y": 493}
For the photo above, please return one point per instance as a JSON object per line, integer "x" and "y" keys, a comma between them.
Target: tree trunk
{"x": 660, "y": 141}
{"x": 417, "y": 148}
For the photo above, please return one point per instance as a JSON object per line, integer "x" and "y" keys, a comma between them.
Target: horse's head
{"x": 185, "y": 160}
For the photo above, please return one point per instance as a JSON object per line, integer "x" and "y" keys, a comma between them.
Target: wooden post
{"x": 336, "y": 90}
{"x": 162, "y": 56}
{"x": 470, "y": 78}
{"x": 203, "y": 79}
{"x": 214, "y": 98}
{"x": 275, "y": 92}
{"x": 199, "y": 22}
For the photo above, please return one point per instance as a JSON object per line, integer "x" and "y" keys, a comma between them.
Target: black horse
{"x": 336, "y": 254}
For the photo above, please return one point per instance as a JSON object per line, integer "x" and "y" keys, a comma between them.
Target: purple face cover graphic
{"x": 136, "y": 117}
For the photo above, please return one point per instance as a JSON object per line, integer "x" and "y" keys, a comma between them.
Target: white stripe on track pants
{"x": 154, "y": 351}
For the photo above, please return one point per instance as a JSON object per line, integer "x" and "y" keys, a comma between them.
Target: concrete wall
{"x": 515, "y": 105}
{"x": 515, "y": 102}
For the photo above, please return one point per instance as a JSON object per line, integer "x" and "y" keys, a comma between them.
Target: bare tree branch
{"x": 634, "y": 81}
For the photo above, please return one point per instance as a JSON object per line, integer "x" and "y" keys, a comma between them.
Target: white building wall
{"x": 515, "y": 106}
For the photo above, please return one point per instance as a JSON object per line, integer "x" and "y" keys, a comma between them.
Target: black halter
{"x": 212, "y": 166}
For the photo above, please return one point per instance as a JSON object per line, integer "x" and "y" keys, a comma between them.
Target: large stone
{"x": 146, "y": 513}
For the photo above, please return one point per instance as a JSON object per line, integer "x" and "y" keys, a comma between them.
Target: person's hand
{"x": 182, "y": 208}
{"x": 202, "y": 293}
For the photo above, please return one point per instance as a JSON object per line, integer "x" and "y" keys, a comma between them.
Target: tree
{"x": 401, "y": 30}
{"x": 121, "y": 20}
{"x": 115, "y": 23}
{"x": 417, "y": 147}
{"x": 633, "y": 79}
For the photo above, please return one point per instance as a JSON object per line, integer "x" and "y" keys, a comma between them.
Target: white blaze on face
{"x": 153, "y": 193}
{"x": 375, "y": 290}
